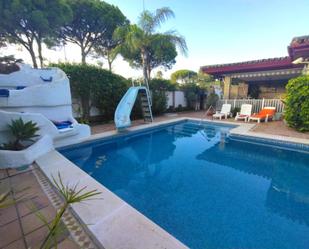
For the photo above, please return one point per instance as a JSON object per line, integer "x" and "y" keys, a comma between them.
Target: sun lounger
{"x": 245, "y": 112}
{"x": 265, "y": 114}
{"x": 225, "y": 112}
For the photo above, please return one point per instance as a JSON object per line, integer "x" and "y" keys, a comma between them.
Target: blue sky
{"x": 220, "y": 31}
{"x": 216, "y": 31}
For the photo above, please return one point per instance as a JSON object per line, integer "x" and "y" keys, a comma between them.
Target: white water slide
{"x": 124, "y": 108}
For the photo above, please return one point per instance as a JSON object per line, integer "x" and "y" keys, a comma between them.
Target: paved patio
{"x": 20, "y": 227}
{"x": 272, "y": 127}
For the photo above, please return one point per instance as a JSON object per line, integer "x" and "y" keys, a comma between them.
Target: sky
{"x": 216, "y": 31}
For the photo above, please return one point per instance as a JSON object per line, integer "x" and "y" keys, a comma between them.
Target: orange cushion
{"x": 263, "y": 113}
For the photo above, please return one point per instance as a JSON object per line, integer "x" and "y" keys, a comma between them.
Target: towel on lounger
{"x": 63, "y": 124}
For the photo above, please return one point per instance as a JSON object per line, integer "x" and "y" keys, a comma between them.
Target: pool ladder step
{"x": 146, "y": 107}
{"x": 182, "y": 131}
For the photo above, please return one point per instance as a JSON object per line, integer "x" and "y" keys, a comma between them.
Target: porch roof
{"x": 267, "y": 75}
{"x": 250, "y": 66}
{"x": 299, "y": 47}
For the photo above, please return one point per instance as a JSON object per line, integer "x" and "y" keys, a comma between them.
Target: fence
{"x": 257, "y": 104}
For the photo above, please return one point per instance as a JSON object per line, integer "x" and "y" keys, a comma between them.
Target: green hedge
{"x": 94, "y": 86}
{"x": 158, "y": 88}
{"x": 297, "y": 103}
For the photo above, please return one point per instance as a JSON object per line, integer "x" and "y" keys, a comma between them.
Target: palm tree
{"x": 142, "y": 36}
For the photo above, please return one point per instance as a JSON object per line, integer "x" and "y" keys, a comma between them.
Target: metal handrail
{"x": 206, "y": 114}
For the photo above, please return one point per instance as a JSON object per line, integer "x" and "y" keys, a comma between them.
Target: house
{"x": 264, "y": 78}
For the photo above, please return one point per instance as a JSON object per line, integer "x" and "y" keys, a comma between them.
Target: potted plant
{"x": 234, "y": 111}
{"x": 26, "y": 145}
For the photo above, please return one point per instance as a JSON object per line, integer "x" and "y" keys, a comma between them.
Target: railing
{"x": 257, "y": 104}
{"x": 149, "y": 96}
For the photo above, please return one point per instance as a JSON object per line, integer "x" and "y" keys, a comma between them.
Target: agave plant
{"x": 70, "y": 196}
{"x": 22, "y": 132}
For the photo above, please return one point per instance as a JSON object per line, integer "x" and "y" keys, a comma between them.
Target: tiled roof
{"x": 247, "y": 66}
{"x": 300, "y": 41}
{"x": 299, "y": 47}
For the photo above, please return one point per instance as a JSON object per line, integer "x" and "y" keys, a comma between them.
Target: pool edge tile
{"x": 106, "y": 208}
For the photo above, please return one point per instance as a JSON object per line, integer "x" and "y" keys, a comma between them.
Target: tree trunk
{"x": 32, "y": 54}
{"x": 109, "y": 60}
{"x": 149, "y": 71}
{"x": 85, "y": 109}
{"x": 83, "y": 54}
{"x": 39, "y": 42}
{"x": 145, "y": 71}
{"x": 145, "y": 67}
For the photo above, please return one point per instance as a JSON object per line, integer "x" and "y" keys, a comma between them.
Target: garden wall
{"x": 174, "y": 99}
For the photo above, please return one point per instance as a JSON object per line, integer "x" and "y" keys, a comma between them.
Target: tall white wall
{"x": 176, "y": 99}
{"x": 169, "y": 96}
{"x": 180, "y": 99}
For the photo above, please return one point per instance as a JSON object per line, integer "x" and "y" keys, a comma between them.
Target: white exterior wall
{"x": 180, "y": 99}
{"x": 169, "y": 96}
{"x": 77, "y": 112}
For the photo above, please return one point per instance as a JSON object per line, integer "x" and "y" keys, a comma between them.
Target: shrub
{"x": 235, "y": 110}
{"x": 297, "y": 103}
{"x": 191, "y": 91}
{"x": 8, "y": 64}
{"x": 211, "y": 100}
{"x": 94, "y": 86}
{"x": 159, "y": 102}
{"x": 158, "y": 89}
{"x": 22, "y": 132}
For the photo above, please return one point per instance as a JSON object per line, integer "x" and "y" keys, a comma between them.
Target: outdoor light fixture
{"x": 301, "y": 60}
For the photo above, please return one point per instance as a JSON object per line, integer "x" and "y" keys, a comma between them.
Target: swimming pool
{"x": 207, "y": 189}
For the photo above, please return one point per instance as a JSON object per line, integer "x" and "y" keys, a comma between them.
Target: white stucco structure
{"x": 45, "y": 91}
{"x": 15, "y": 159}
{"x": 60, "y": 137}
{"x": 44, "y": 97}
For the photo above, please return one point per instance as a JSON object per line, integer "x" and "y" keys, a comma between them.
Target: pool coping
{"x": 112, "y": 221}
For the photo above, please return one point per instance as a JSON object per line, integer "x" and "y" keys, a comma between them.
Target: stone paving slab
{"x": 19, "y": 225}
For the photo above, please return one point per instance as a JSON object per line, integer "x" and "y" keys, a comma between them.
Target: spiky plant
{"x": 70, "y": 196}
{"x": 4, "y": 200}
{"x": 22, "y": 132}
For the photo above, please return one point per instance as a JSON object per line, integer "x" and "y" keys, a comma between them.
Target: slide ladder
{"x": 124, "y": 108}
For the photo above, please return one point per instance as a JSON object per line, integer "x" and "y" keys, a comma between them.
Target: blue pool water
{"x": 207, "y": 190}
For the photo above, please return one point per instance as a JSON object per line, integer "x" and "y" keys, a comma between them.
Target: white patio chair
{"x": 225, "y": 112}
{"x": 245, "y": 112}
